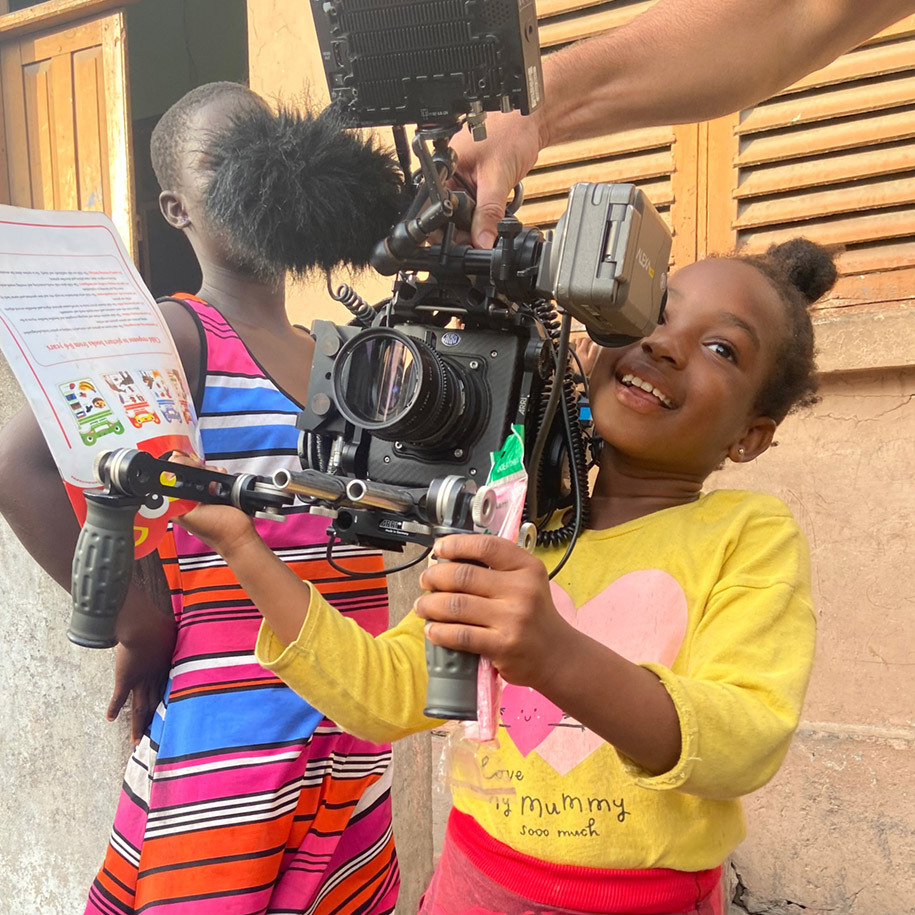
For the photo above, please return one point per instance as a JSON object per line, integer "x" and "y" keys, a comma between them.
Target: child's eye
{"x": 725, "y": 350}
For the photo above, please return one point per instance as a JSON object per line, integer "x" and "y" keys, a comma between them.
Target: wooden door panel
{"x": 830, "y": 158}
{"x": 39, "y": 192}
{"x": 15, "y": 126}
{"x": 89, "y": 94}
{"x": 660, "y": 160}
{"x": 66, "y": 122}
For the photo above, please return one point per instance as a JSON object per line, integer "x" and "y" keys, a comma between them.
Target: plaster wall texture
{"x": 834, "y": 832}
{"x": 285, "y": 66}
{"x": 61, "y": 761}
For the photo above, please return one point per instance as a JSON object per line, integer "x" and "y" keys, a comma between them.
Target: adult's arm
{"x": 680, "y": 61}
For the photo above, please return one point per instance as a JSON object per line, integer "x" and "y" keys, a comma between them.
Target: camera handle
{"x": 104, "y": 556}
{"x": 452, "y": 689}
{"x": 435, "y": 207}
{"x": 102, "y": 568}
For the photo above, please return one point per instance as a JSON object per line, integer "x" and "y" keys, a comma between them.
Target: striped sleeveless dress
{"x": 241, "y": 799}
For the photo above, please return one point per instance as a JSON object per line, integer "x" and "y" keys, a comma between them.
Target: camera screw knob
{"x": 320, "y": 404}
{"x": 330, "y": 345}
{"x": 483, "y": 507}
{"x": 509, "y": 227}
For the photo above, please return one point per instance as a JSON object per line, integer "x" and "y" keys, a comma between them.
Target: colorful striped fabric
{"x": 242, "y": 799}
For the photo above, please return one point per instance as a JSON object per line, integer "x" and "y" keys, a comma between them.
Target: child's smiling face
{"x": 682, "y": 399}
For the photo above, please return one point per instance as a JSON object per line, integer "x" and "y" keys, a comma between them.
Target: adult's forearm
{"x": 690, "y": 60}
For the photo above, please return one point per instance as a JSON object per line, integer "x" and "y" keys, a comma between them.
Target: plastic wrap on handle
{"x": 102, "y": 566}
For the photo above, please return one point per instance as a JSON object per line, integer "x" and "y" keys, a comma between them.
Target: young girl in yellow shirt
{"x": 658, "y": 677}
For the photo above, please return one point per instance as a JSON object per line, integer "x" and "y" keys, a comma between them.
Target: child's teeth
{"x": 637, "y": 382}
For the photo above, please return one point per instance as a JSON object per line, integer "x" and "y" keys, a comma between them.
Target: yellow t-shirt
{"x": 713, "y": 597}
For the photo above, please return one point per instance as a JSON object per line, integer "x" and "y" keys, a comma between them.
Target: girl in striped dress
{"x": 241, "y": 798}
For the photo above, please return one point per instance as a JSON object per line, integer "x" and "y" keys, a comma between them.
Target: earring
{"x": 182, "y": 222}
{"x": 741, "y": 452}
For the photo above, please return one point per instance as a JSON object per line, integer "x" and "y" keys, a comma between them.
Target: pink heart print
{"x": 642, "y": 616}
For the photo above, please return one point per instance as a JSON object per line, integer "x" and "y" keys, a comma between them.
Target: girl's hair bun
{"x": 809, "y": 267}
{"x": 800, "y": 271}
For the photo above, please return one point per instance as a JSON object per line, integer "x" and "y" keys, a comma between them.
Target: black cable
{"x": 363, "y": 313}
{"x": 350, "y": 573}
{"x": 547, "y": 421}
{"x": 581, "y": 373}
{"x": 578, "y": 464}
{"x": 581, "y": 506}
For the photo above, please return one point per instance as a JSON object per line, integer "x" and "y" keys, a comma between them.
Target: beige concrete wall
{"x": 61, "y": 761}
{"x": 285, "y": 66}
{"x": 834, "y": 832}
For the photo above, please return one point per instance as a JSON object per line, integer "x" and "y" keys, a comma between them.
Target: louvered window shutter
{"x": 832, "y": 158}
{"x": 661, "y": 161}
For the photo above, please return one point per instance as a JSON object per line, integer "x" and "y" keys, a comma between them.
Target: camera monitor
{"x": 429, "y": 61}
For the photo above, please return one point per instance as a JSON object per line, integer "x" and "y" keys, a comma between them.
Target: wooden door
{"x": 830, "y": 158}
{"x": 662, "y": 161}
{"x": 65, "y": 119}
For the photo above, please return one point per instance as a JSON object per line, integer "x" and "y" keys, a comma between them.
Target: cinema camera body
{"x": 429, "y": 385}
{"x": 408, "y": 403}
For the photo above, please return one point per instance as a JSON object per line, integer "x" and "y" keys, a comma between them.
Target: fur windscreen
{"x": 295, "y": 192}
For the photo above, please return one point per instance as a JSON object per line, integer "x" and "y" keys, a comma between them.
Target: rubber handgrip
{"x": 452, "y": 689}
{"x": 102, "y": 567}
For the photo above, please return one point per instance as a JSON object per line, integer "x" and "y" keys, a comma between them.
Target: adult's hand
{"x": 495, "y": 165}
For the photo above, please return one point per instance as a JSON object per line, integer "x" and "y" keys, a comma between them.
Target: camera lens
{"x": 400, "y": 388}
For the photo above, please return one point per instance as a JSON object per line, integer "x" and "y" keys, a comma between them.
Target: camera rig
{"x": 408, "y": 403}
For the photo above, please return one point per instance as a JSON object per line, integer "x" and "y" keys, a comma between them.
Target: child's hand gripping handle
{"x": 102, "y": 567}
{"x": 453, "y": 689}
{"x": 104, "y": 556}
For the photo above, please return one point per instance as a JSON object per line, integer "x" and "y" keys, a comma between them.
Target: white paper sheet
{"x": 88, "y": 344}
